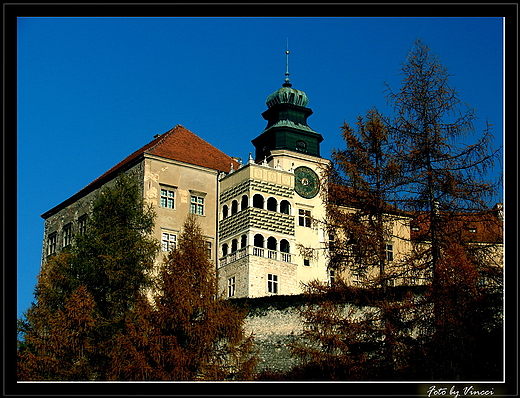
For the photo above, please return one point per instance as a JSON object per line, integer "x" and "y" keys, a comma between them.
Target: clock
{"x": 306, "y": 182}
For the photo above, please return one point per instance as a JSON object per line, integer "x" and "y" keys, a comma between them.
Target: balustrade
{"x": 255, "y": 251}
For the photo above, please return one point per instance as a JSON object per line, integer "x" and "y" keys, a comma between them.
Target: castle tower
{"x": 270, "y": 237}
{"x": 287, "y": 127}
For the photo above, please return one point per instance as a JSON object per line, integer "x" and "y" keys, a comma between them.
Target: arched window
{"x": 224, "y": 249}
{"x": 259, "y": 240}
{"x": 271, "y": 243}
{"x": 272, "y": 204}
{"x": 285, "y": 207}
{"x": 284, "y": 246}
{"x": 301, "y": 145}
{"x": 243, "y": 241}
{"x": 258, "y": 201}
{"x": 234, "y": 245}
{"x": 244, "y": 202}
{"x": 234, "y": 207}
{"x": 224, "y": 211}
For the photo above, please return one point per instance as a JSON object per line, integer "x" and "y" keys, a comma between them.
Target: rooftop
{"x": 178, "y": 144}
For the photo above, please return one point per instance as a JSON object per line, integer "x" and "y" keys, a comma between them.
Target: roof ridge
{"x": 162, "y": 137}
{"x": 183, "y": 145}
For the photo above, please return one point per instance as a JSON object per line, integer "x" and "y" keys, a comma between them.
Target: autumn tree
{"x": 419, "y": 160}
{"x": 442, "y": 177}
{"x": 57, "y": 332}
{"x": 84, "y": 295}
{"x": 360, "y": 179}
{"x": 364, "y": 228}
{"x": 188, "y": 333}
{"x": 442, "y": 174}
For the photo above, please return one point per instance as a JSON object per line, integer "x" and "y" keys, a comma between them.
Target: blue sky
{"x": 90, "y": 91}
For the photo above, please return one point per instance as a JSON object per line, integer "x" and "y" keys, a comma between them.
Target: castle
{"x": 258, "y": 217}
{"x": 254, "y": 215}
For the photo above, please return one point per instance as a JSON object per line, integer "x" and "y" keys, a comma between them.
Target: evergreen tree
{"x": 115, "y": 257}
{"x": 57, "y": 334}
{"x": 84, "y": 295}
{"x": 362, "y": 181}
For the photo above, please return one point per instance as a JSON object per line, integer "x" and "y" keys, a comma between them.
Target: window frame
{"x": 271, "y": 204}
{"x": 272, "y": 284}
{"x": 167, "y": 197}
{"x": 52, "y": 241}
{"x": 231, "y": 285}
{"x": 197, "y": 206}
{"x": 389, "y": 251}
{"x": 82, "y": 224}
{"x": 209, "y": 249}
{"x": 304, "y": 218}
{"x": 301, "y": 146}
{"x": 67, "y": 235}
{"x": 169, "y": 242}
{"x": 258, "y": 201}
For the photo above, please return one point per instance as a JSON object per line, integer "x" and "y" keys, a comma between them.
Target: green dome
{"x": 287, "y": 95}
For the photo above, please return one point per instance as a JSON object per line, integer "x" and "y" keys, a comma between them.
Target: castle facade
{"x": 259, "y": 218}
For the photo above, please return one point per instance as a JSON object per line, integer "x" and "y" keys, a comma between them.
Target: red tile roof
{"x": 182, "y": 145}
{"x": 342, "y": 195}
{"x": 478, "y": 227}
{"x": 178, "y": 144}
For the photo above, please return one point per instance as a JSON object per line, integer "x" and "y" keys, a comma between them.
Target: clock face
{"x": 306, "y": 182}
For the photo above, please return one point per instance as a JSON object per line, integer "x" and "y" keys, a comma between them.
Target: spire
{"x": 287, "y": 81}
{"x": 286, "y": 117}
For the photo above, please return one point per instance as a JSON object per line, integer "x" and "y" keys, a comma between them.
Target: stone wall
{"x": 274, "y": 332}
{"x": 275, "y": 324}
{"x": 68, "y": 215}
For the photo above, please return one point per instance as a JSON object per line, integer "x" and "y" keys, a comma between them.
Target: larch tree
{"x": 420, "y": 160}
{"x": 443, "y": 180}
{"x": 360, "y": 180}
{"x": 188, "y": 333}
{"x": 441, "y": 174}
{"x": 342, "y": 340}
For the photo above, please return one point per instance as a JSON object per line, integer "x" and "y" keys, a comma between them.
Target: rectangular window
{"x": 82, "y": 224}
{"x": 332, "y": 239}
{"x": 67, "y": 235}
{"x": 208, "y": 249}
{"x": 304, "y": 218}
{"x": 51, "y": 243}
{"x": 231, "y": 286}
{"x": 197, "y": 205}
{"x": 168, "y": 241}
{"x": 390, "y": 252}
{"x": 360, "y": 276}
{"x": 332, "y": 276}
{"x": 167, "y": 198}
{"x": 306, "y": 262}
{"x": 272, "y": 283}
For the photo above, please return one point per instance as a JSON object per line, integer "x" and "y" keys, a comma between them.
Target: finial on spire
{"x": 287, "y": 81}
